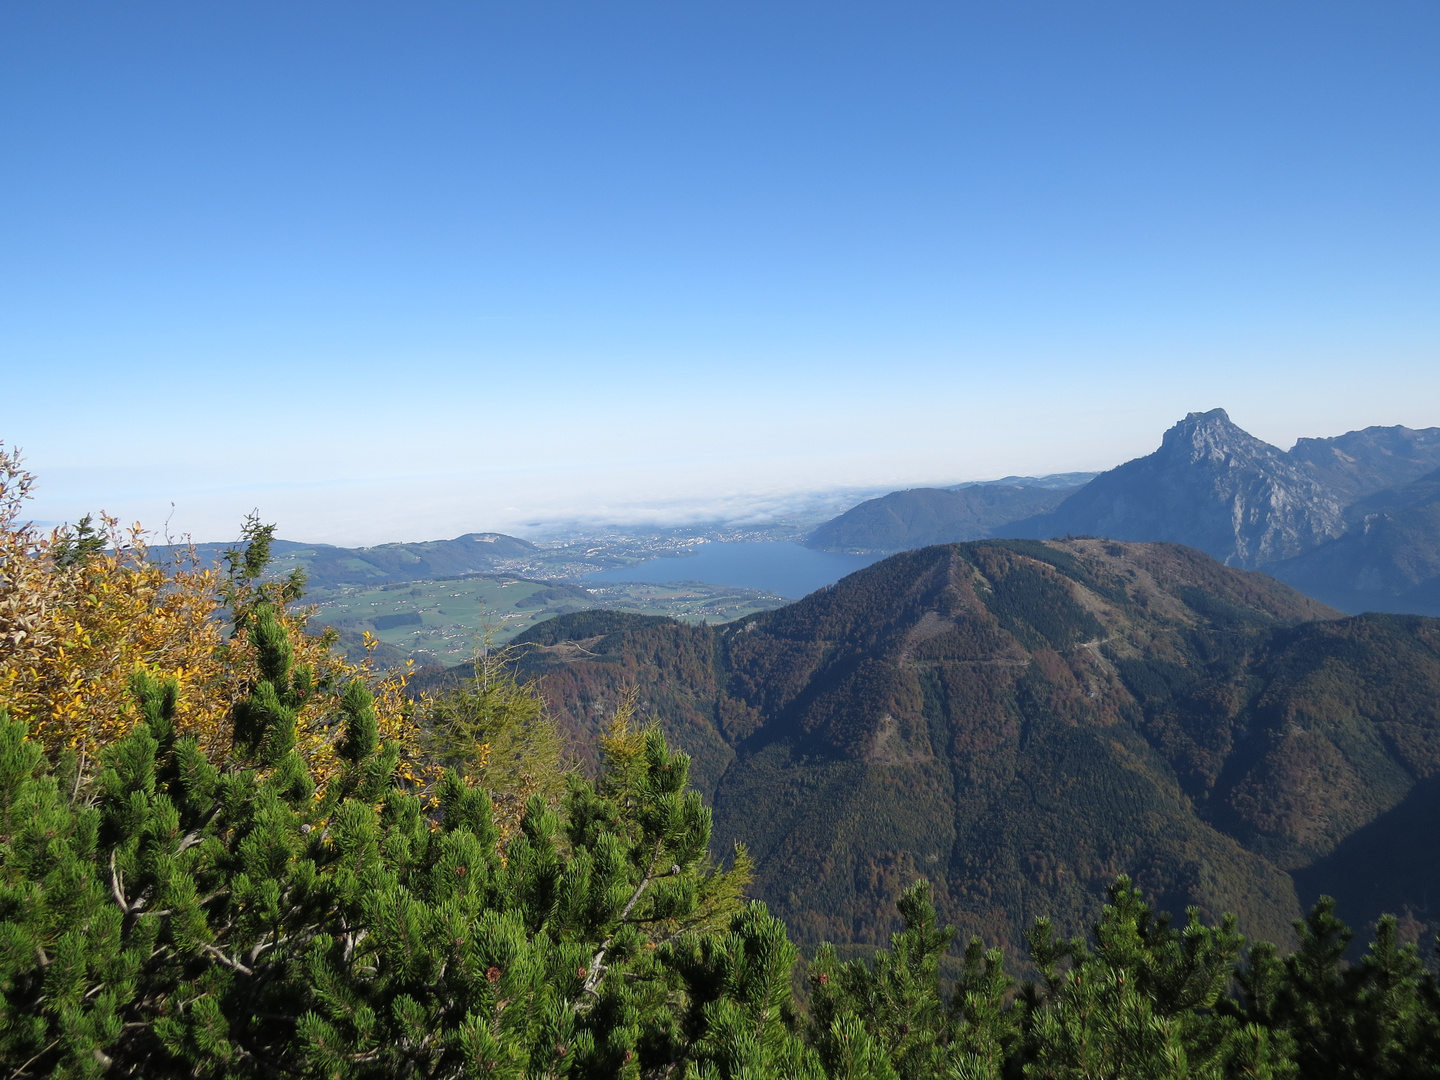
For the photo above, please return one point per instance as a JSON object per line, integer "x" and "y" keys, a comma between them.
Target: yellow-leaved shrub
{"x": 74, "y": 630}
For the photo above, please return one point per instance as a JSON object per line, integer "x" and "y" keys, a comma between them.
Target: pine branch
{"x": 597, "y": 963}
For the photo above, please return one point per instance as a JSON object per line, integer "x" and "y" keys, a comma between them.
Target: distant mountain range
{"x": 1020, "y": 721}
{"x": 326, "y": 566}
{"x": 1361, "y": 462}
{"x": 1353, "y": 520}
{"x": 1388, "y": 558}
{"x": 1066, "y": 480}
{"x": 1350, "y": 520}
{"x": 921, "y": 516}
{"x": 1211, "y": 486}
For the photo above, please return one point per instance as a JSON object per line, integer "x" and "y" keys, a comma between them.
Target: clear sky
{"x": 404, "y": 270}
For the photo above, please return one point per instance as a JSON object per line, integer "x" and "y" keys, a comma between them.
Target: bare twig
{"x": 597, "y": 963}
{"x": 235, "y": 964}
{"x": 79, "y": 776}
{"x": 116, "y": 888}
{"x": 45, "y": 1050}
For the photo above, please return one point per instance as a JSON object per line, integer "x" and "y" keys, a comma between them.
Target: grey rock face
{"x": 1212, "y": 486}
{"x": 1360, "y": 463}
{"x": 1388, "y": 559}
{"x": 1215, "y": 487}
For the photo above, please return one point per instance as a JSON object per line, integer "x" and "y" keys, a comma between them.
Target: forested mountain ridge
{"x": 1019, "y": 721}
{"x": 922, "y": 516}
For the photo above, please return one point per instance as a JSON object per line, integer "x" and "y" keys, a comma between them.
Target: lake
{"x": 778, "y": 567}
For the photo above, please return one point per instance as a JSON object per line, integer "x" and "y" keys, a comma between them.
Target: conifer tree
{"x": 1142, "y": 1003}
{"x": 740, "y": 1021}
{"x": 1377, "y": 1019}
{"x": 175, "y": 918}
{"x": 496, "y": 732}
{"x": 896, "y": 1006}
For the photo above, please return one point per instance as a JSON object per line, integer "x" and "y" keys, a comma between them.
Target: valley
{"x": 434, "y": 602}
{"x": 443, "y": 622}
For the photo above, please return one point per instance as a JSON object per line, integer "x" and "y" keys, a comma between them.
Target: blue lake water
{"x": 787, "y": 569}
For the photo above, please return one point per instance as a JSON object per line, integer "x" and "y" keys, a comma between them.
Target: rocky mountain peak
{"x": 1211, "y": 417}
{"x": 1211, "y": 485}
{"x": 1213, "y": 436}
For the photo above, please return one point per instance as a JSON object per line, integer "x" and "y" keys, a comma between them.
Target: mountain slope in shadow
{"x": 1388, "y": 559}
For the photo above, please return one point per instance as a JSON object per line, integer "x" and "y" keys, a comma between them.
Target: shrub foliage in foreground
{"x": 182, "y": 919}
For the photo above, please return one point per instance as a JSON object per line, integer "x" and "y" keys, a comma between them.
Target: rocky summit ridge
{"x": 1211, "y": 485}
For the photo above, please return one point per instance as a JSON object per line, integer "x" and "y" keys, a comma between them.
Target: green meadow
{"x": 444, "y": 621}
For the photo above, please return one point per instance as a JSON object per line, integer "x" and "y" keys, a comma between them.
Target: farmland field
{"x": 443, "y": 621}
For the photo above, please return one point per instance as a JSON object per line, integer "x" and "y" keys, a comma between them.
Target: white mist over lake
{"x": 786, "y": 569}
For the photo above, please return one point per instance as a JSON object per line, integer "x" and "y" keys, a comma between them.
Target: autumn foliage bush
{"x": 83, "y": 609}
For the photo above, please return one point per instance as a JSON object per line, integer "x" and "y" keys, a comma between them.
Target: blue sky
{"x": 397, "y": 271}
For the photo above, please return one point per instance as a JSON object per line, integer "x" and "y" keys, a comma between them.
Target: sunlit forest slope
{"x": 1019, "y": 721}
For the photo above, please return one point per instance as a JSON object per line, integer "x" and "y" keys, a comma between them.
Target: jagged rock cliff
{"x": 1211, "y": 485}
{"x": 1360, "y": 463}
{"x": 1388, "y": 559}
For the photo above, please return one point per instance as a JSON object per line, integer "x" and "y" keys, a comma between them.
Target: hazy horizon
{"x": 343, "y": 511}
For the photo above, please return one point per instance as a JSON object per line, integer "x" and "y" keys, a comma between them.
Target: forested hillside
{"x": 1020, "y": 721}
{"x": 923, "y": 516}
